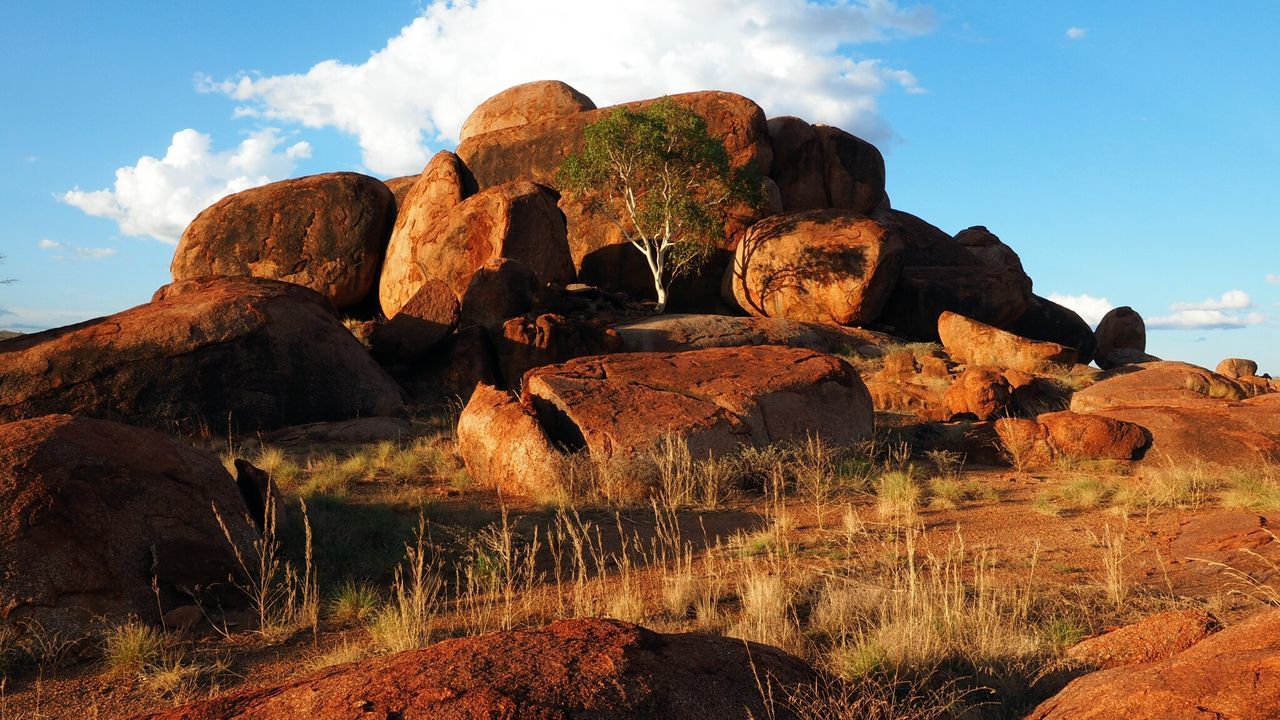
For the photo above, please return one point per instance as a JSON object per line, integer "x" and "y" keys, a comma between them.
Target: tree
{"x": 659, "y": 177}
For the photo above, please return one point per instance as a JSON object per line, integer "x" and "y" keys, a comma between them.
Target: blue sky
{"x": 1127, "y": 151}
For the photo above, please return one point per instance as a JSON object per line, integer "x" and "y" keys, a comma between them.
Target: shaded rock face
{"x": 523, "y": 104}
{"x": 817, "y": 166}
{"x": 326, "y": 232}
{"x": 534, "y": 340}
{"x": 939, "y": 275}
{"x": 421, "y": 324}
{"x": 974, "y": 343}
{"x": 717, "y": 400}
{"x": 1048, "y": 321}
{"x": 534, "y": 152}
{"x": 569, "y": 669}
{"x": 95, "y": 510}
{"x": 677, "y": 333}
{"x": 1191, "y": 413}
{"x": 1231, "y": 674}
{"x": 1154, "y": 638}
{"x": 500, "y": 289}
{"x": 1120, "y": 329}
{"x": 228, "y": 353}
{"x": 437, "y": 190}
{"x": 1071, "y": 435}
{"x": 817, "y": 266}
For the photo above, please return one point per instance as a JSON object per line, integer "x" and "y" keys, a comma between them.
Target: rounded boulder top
{"x": 524, "y": 104}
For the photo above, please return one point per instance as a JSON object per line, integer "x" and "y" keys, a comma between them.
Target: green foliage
{"x": 663, "y": 181}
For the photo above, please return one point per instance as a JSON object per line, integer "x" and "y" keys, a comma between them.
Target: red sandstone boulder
{"x": 534, "y": 152}
{"x": 854, "y": 171}
{"x": 718, "y": 400}
{"x": 326, "y": 232}
{"x": 1151, "y": 639}
{"x": 939, "y": 274}
{"x": 979, "y": 392}
{"x": 1231, "y": 675}
{"x": 94, "y": 512}
{"x": 1237, "y": 368}
{"x": 534, "y": 340}
{"x": 799, "y": 164}
{"x": 588, "y": 668}
{"x": 974, "y": 343}
{"x": 1120, "y": 329}
{"x": 818, "y": 266}
{"x": 437, "y": 190}
{"x": 428, "y": 318}
{"x": 505, "y": 447}
{"x": 523, "y": 104}
{"x": 215, "y": 353}
{"x": 1036, "y": 443}
{"x": 499, "y": 290}
{"x": 1160, "y": 384}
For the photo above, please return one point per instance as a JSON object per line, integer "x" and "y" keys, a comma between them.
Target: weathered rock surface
{"x": 504, "y": 447}
{"x": 854, "y": 171}
{"x": 799, "y": 164}
{"x": 1048, "y": 321}
{"x": 499, "y": 290}
{"x": 1121, "y": 328}
{"x": 972, "y": 342}
{"x": 1151, "y": 639}
{"x": 677, "y": 333}
{"x": 400, "y": 187}
{"x": 326, "y": 232}
{"x": 1237, "y": 368}
{"x": 421, "y": 324}
{"x": 818, "y": 266}
{"x": 523, "y": 104}
{"x": 939, "y": 274}
{"x": 225, "y": 353}
{"x": 979, "y": 392}
{"x": 717, "y": 400}
{"x": 570, "y": 669}
{"x": 437, "y": 190}
{"x": 1071, "y": 435}
{"x": 534, "y": 152}
{"x": 94, "y": 511}
{"x": 533, "y": 340}
{"x": 1231, "y": 675}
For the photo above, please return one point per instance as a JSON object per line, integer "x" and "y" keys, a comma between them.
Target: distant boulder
{"x": 219, "y": 354}
{"x": 1238, "y": 368}
{"x": 1120, "y": 329}
{"x": 326, "y": 232}
{"x": 523, "y": 104}
{"x": 95, "y": 513}
{"x": 829, "y": 266}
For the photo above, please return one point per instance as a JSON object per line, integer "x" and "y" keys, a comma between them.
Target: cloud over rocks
{"x": 791, "y": 56}
{"x": 1089, "y": 308}
{"x": 1224, "y": 313}
{"x": 157, "y": 197}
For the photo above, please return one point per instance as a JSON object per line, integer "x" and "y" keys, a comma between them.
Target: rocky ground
{"x": 422, "y": 448}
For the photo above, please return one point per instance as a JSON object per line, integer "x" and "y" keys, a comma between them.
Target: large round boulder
{"x": 523, "y": 104}
{"x": 590, "y": 668}
{"x": 1231, "y": 674}
{"x": 829, "y": 266}
{"x": 326, "y": 232}
{"x": 854, "y": 170}
{"x": 437, "y": 190}
{"x": 940, "y": 274}
{"x": 103, "y": 521}
{"x": 979, "y": 392}
{"x": 517, "y": 220}
{"x": 799, "y": 165}
{"x": 974, "y": 343}
{"x": 221, "y": 353}
{"x": 1120, "y": 329}
{"x": 1237, "y": 368}
{"x": 535, "y": 151}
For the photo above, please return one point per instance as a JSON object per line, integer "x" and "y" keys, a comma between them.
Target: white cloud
{"x": 1076, "y": 33}
{"x": 75, "y": 252}
{"x": 1273, "y": 278}
{"x": 158, "y": 197}
{"x": 25, "y": 319}
{"x": 1206, "y": 320}
{"x": 413, "y": 94}
{"x": 1230, "y": 300}
{"x": 1089, "y": 308}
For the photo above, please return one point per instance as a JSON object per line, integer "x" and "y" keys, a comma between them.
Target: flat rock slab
{"x": 677, "y": 333}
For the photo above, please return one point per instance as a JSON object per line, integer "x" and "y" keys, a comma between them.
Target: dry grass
{"x": 407, "y": 621}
